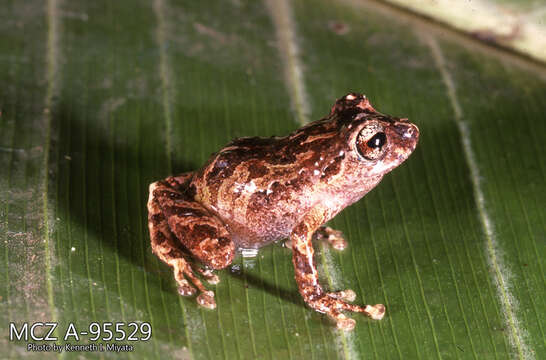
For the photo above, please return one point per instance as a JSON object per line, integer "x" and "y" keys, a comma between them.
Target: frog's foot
{"x": 376, "y": 312}
{"x": 185, "y": 288}
{"x": 333, "y": 307}
{"x": 334, "y": 237}
{"x": 206, "y": 297}
{"x": 182, "y": 272}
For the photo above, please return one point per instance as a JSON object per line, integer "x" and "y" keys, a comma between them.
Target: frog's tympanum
{"x": 258, "y": 190}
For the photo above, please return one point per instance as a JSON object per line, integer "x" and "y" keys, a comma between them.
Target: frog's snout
{"x": 408, "y": 133}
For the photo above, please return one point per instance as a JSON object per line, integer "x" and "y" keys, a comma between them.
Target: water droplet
{"x": 236, "y": 269}
{"x": 249, "y": 253}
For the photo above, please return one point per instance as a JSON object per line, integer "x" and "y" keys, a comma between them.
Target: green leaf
{"x": 517, "y": 25}
{"x": 99, "y": 99}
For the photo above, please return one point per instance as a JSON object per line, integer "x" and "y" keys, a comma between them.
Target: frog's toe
{"x": 338, "y": 243}
{"x": 376, "y": 312}
{"x": 185, "y": 289}
{"x": 213, "y": 279}
{"x": 344, "y": 323}
{"x": 346, "y": 295}
{"x": 334, "y": 237}
{"x": 206, "y": 299}
{"x": 209, "y": 276}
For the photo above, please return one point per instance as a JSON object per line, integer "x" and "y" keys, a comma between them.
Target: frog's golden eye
{"x": 371, "y": 141}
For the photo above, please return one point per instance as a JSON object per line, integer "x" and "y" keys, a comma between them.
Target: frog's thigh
{"x": 168, "y": 249}
{"x": 202, "y": 233}
{"x": 178, "y": 182}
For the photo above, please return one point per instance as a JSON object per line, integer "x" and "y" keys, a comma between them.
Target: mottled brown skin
{"x": 258, "y": 190}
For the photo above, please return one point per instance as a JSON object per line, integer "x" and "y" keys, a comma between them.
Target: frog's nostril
{"x": 406, "y": 130}
{"x": 410, "y": 132}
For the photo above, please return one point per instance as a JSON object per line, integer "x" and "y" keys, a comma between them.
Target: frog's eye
{"x": 371, "y": 141}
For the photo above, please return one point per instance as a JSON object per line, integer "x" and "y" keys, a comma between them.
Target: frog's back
{"x": 262, "y": 187}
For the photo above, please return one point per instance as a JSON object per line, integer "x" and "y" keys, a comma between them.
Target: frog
{"x": 259, "y": 190}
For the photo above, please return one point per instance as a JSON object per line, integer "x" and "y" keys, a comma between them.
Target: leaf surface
{"x": 102, "y": 98}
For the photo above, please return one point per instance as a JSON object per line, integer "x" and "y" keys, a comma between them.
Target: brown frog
{"x": 258, "y": 190}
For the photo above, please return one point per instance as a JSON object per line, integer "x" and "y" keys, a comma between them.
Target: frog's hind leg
{"x": 167, "y": 248}
{"x": 191, "y": 228}
{"x": 198, "y": 230}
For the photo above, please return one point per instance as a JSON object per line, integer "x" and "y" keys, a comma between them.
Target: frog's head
{"x": 382, "y": 144}
{"x": 378, "y": 142}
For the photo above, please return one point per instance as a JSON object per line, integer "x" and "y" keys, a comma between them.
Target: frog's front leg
{"x": 307, "y": 277}
{"x": 332, "y": 236}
